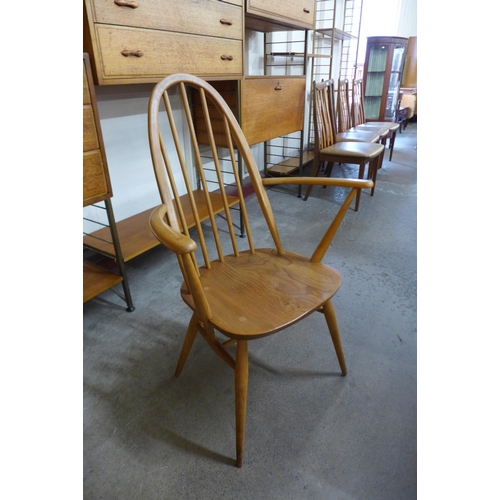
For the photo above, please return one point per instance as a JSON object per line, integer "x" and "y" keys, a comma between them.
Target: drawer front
{"x": 297, "y": 12}
{"x": 94, "y": 179}
{"x": 86, "y": 90}
{"x": 271, "y": 107}
{"x": 205, "y": 17}
{"x": 90, "y": 140}
{"x": 160, "y": 53}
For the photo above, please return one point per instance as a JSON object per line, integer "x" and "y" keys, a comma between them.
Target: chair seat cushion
{"x": 382, "y": 131}
{"x": 390, "y": 125}
{"x": 357, "y": 136}
{"x": 353, "y": 149}
{"x": 258, "y": 294}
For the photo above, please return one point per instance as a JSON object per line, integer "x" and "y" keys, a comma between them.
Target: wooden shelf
{"x": 136, "y": 236}
{"x": 97, "y": 280}
{"x": 291, "y": 165}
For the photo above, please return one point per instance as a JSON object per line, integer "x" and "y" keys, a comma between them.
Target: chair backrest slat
{"x": 324, "y": 114}
{"x": 344, "y": 120}
{"x": 215, "y": 159}
{"x": 357, "y": 104}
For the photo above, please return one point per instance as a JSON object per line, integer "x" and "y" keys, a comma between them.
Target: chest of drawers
{"x": 141, "y": 41}
{"x": 96, "y": 184}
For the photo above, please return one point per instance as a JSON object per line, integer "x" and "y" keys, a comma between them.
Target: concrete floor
{"x": 311, "y": 434}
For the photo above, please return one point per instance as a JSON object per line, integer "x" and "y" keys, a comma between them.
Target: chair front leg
{"x": 188, "y": 343}
{"x": 331, "y": 320}
{"x": 241, "y": 391}
{"x": 314, "y": 173}
{"x": 360, "y": 176}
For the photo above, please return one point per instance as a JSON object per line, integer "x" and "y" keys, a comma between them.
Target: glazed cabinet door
{"x": 384, "y": 64}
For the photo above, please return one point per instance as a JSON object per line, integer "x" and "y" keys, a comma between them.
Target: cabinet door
{"x": 395, "y": 75}
{"x": 384, "y": 66}
{"x": 375, "y": 79}
{"x": 271, "y": 107}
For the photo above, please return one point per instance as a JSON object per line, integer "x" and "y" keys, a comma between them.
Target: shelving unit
{"x": 335, "y": 42}
{"x": 130, "y": 44}
{"x": 285, "y": 55}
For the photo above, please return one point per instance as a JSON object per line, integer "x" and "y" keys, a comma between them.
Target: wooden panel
{"x": 94, "y": 181}
{"x": 229, "y": 91}
{"x": 266, "y": 112}
{"x": 97, "y": 280}
{"x": 410, "y": 72}
{"x": 202, "y": 17}
{"x": 293, "y": 13}
{"x": 86, "y": 91}
{"x": 165, "y": 53}
{"x": 90, "y": 140}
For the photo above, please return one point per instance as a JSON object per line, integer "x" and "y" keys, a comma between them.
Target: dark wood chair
{"x": 327, "y": 148}
{"x": 237, "y": 291}
{"x": 358, "y": 116}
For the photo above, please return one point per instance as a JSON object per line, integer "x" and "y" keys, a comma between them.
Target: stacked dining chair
{"x": 358, "y": 120}
{"x": 331, "y": 147}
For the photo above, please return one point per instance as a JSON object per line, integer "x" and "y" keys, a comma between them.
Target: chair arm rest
{"x": 173, "y": 240}
{"x": 319, "y": 181}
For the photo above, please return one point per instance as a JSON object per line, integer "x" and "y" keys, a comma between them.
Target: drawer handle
{"x": 135, "y": 53}
{"x": 226, "y": 58}
{"x": 226, "y": 21}
{"x": 307, "y": 11}
{"x": 126, "y": 3}
{"x": 278, "y": 87}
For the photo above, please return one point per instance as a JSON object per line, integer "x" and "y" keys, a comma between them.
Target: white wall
{"x": 386, "y": 18}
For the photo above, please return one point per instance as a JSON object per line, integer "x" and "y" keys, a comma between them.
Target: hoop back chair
{"x": 358, "y": 116}
{"x": 237, "y": 292}
{"x": 328, "y": 149}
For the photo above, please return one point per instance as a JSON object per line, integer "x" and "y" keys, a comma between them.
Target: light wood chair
{"x": 239, "y": 294}
{"x": 328, "y": 149}
{"x": 358, "y": 116}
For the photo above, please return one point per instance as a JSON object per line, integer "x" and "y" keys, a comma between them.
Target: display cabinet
{"x": 383, "y": 70}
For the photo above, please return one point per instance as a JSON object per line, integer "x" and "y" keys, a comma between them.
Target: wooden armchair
{"x": 237, "y": 291}
{"x": 328, "y": 149}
